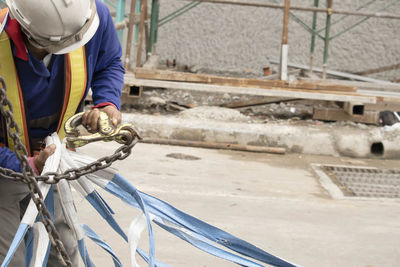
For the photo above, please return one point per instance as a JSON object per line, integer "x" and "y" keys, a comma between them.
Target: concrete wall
{"x": 215, "y": 37}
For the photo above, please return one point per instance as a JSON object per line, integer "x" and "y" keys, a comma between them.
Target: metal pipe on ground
{"x": 213, "y": 145}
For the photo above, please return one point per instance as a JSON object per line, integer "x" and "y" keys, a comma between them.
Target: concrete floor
{"x": 272, "y": 201}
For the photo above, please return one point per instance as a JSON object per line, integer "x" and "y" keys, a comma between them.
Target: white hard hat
{"x": 59, "y": 26}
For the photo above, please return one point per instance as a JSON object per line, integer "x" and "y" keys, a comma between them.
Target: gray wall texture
{"x": 226, "y": 38}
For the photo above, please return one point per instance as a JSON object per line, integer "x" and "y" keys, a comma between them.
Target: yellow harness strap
{"x": 75, "y": 86}
{"x": 14, "y": 94}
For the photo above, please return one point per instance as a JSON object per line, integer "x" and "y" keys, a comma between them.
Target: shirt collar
{"x": 13, "y": 30}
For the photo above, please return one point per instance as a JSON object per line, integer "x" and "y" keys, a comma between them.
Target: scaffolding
{"x": 143, "y": 30}
{"x": 150, "y": 35}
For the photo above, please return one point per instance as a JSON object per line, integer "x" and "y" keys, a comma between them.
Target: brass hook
{"x": 123, "y": 134}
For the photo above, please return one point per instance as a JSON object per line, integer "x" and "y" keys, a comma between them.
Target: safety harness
{"x": 75, "y": 86}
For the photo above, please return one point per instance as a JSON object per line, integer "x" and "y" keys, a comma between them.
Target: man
{"x": 51, "y": 53}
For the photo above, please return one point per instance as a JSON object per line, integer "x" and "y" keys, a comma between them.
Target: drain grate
{"x": 365, "y": 182}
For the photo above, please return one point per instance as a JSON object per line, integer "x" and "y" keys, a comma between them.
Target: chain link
{"x": 27, "y": 176}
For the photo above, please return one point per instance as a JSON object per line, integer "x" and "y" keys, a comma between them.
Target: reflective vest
{"x": 75, "y": 86}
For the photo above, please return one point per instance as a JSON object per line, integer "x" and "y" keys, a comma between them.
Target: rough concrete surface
{"x": 272, "y": 201}
{"x": 337, "y": 139}
{"x": 241, "y": 40}
{"x": 213, "y": 113}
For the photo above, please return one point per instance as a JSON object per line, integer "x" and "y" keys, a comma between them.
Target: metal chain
{"x": 27, "y": 176}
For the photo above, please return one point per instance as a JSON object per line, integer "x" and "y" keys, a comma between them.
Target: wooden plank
{"x": 382, "y": 106}
{"x": 335, "y": 114}
{"x": 281, "y": 92}
{"x": 393, "y": 87}
{"x": 387, "y": 98}
{"x": 166, "y": 75}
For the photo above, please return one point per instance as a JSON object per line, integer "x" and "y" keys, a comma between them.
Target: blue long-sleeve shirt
{"x": 42, "y": 86}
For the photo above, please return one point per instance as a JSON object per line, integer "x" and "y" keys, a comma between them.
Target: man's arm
{"x": 104, "y": 56}
{"x": 9, "y": 160}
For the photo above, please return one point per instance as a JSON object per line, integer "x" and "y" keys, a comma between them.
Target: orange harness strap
{"x": 75, "y": 85}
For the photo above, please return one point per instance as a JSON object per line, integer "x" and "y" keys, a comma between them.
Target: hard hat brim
{"x": 86, "y": 38}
